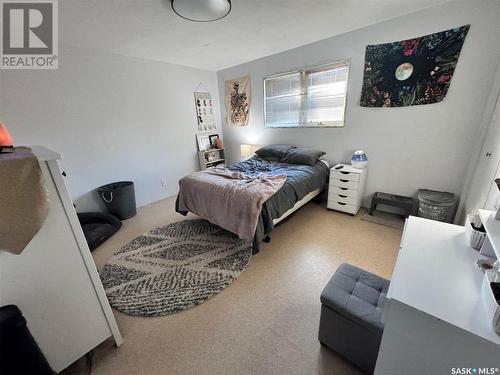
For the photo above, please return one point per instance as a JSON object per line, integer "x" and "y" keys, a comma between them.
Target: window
{"x": 307, "y": 98}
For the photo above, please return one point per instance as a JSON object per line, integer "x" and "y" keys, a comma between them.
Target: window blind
{"x": 283, "y": 95}
{"x": 310, "y": 98}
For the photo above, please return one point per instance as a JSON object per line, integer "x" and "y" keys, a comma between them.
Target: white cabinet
{"x": 54, "y": 281}
{"x": 346, "y": 188}
{"x": 434, "y": 316}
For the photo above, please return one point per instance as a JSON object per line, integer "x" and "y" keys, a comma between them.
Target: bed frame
{"x": 302, "y": 202}
{"x": 297, "y": 205}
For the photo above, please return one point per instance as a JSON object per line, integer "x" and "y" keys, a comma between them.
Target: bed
{"x": 303, "y": 183}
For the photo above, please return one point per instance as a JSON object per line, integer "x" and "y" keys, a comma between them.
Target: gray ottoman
{"x": 351, "y": 312}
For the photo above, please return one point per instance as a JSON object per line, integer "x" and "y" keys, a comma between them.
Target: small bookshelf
{"x": 211, "y": 158}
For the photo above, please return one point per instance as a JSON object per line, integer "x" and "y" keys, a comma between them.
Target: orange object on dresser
{"x": 5, "y": 138}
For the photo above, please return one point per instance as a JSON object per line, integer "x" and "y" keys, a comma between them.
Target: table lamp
{"x": 247, "y": 151}
{"x": 5, "y": 140}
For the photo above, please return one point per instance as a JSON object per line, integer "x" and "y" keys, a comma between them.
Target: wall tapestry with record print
{"x": 411, "y": 72}
{"x": 237, "y": 92}
{"x": 204, "y": 111}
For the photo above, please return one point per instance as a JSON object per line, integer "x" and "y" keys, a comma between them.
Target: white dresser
{"x": 435, "y": 321}
{"x": 54, "y": 281}
{"x": 346, "y": 188}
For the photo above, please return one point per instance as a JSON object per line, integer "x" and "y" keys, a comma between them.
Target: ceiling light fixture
{"x": 201, "y": 10}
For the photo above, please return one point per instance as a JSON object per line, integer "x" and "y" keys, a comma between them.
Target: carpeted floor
{"x": 266, "y": 322}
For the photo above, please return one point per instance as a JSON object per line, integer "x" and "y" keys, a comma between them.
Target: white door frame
{"x": 485, "y": 160}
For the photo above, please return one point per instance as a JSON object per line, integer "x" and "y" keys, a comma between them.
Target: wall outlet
{"x": 164, "y": 182}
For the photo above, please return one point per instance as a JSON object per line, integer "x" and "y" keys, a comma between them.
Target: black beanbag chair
{"x": 98, "y": 227}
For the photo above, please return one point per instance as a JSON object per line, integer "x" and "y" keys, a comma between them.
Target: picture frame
{"x": 203, "y": 141}
{"x": 213, "y": 138}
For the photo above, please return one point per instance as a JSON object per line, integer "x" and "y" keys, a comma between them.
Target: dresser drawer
{"x": 344, "y": 183}
{"x": 342, "y": 199}
{"x": 342, "y": 191}
{"x": 344, "y": 175}
{"x": 344, "y": 207}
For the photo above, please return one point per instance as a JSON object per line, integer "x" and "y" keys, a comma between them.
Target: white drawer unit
{"x": 339, "y": 198}
{"x": 347, "y": 185}
{"x": 344, "y": 207}
{"x": 340, "y": 174}
{"x": 343, "y": 191}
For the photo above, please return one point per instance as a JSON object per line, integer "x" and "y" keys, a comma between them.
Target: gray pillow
{"x": 273, "y": 151}
{"x": 272, "y": 159}
{"x": 301, "y": 155}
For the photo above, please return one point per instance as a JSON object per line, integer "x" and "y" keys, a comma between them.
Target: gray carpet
{"x": 173, "y": 268}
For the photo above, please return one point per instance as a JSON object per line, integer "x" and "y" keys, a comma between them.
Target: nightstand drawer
{"x": 344, "y": 183}
{"x": 344, "y": 207}
{"x": 342, "y": 191}
{"x": 344, "y": 175}
{"x": 342, "y": 199}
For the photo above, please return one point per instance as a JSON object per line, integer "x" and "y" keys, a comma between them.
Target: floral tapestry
{"x": 237, "y": 92}
{"x": 411, "y": 72}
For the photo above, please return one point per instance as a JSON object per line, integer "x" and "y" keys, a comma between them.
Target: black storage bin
{"x": 119, "y": 198}
{"x": 19, "y": 353}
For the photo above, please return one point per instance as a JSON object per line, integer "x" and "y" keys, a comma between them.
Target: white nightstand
{"x": 347, "y": 185}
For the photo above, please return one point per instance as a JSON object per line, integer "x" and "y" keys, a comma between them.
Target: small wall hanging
{"x": 204, "y": 111}
{"x": 237, "y": 94}
{"x": 411, "y": 72}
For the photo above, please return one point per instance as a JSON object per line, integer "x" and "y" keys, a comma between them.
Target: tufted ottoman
{"x": 351, "y": 312}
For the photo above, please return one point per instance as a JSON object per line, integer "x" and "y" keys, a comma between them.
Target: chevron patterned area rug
{"x": 173, "y": 268}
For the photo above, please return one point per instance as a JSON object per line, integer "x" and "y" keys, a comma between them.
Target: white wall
{"x": 111, "y": 117}
{"x": 481, "y": 191}
{"x": 408, "y": 148}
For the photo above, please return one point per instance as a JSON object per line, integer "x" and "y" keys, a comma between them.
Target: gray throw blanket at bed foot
{"x": 230, "y": 199}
